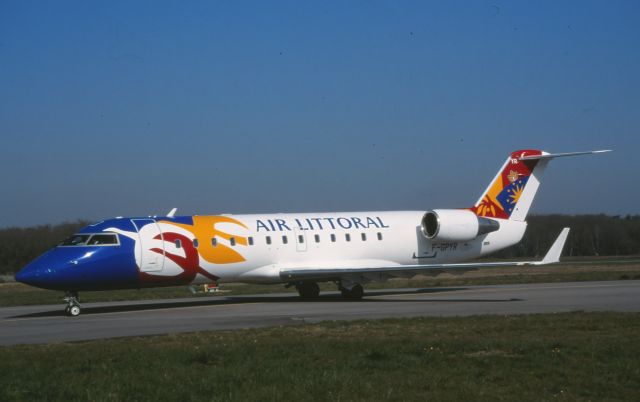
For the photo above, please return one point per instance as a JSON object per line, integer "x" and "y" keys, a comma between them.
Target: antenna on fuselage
{"x": 172, "y": 213}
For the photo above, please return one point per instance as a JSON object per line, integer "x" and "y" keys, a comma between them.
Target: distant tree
{"x": 19, "y": 246}
{"x": 591, "y": 235}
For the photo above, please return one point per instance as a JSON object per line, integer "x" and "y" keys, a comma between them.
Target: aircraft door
{"x": 148, "y": 231}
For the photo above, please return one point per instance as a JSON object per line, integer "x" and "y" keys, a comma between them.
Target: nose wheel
{"x": 73, "y": 308}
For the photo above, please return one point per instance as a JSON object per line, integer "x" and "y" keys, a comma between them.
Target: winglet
{"x": 553, "y": 255}
{"x": 172, "y": 213}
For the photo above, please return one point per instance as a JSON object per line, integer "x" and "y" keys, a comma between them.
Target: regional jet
{"x": 301, "y": 250}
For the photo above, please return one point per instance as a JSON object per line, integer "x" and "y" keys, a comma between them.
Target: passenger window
{"x": 284, "y": 240}
{"x": 347, "y": 237}
{"x": 379, "y": 236}
{"x": 178, "y": 243}
{"x": 317, "y": 237}
{"x": 268, "y": 239}
{"x": 300, "y": 239}
{"x": 214, "y": 242}
{"x": 232, "y": 240}
{"x": 364, "y": 236}
{"x": 250, "y": 240}
{"x": 333, "y": 238}
{"x": 102, "y": 240}
{"x": 195, "y": 243}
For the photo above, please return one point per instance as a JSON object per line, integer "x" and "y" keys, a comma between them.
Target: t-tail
{"x": 511, "y": 193}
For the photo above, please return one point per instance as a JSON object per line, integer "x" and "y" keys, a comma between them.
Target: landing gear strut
{"x": 73, "y": 308}
{"x": 308, "y": 290}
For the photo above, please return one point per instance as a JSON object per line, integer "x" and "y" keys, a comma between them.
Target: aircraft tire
{"x": 74, "y": 310}
{"x": 355, "y": 293}
{"x": 308, "y": 290}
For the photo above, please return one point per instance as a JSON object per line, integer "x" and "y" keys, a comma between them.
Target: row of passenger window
{"x": 284, "y": 238}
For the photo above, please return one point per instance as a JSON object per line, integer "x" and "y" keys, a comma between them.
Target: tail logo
{"x": 508, "y": 198}
{"x": 513, "y": 176}
{"x": 486, "y": 208}
{"x": 503, "y": 194}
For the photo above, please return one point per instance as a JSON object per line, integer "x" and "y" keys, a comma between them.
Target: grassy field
{"x": 574, "y": 356}
{"x": 15, "y": 294}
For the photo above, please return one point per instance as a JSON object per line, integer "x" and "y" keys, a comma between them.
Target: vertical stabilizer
{"x": 511, "y": 193}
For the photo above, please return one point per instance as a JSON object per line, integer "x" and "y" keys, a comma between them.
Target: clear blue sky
{"x": 131, "y": 108}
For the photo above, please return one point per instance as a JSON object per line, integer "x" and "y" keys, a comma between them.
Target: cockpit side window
{"x": 106, "y": 239}
{"x": 75, "y": 240}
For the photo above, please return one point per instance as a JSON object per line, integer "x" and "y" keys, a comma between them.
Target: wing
{"x": 378, "y": 269}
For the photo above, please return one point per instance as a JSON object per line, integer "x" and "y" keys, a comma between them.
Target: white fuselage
{"x": 322, "y": 240}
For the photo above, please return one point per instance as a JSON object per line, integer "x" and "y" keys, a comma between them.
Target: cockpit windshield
{"x": 75, "y": 240}
{"x": 103, "y": 239}
{"x": 100, "y": 239}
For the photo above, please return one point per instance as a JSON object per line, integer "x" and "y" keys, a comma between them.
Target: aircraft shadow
{"x": 332, "y": 297}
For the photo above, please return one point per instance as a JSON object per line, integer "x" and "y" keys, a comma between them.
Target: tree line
{"x": 591, "y": 235}
{"x": 19, "y": 246}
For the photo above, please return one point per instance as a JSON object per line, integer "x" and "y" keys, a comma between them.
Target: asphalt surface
{"x": 45, "y": 324}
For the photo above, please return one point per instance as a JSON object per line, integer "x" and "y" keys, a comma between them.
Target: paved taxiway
{"x": 43, "y": 324}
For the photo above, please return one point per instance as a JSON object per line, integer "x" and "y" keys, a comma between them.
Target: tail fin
{"x": 511, "y": 193}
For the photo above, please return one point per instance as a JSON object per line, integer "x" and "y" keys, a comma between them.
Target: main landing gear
{"x": 308, "y": 290}
{"x": 73, "y": 308}
{"x": 348, "y": 290}
{"x": 355, "y": 293}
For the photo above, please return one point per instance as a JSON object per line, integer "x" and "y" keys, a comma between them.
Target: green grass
{"x": 574, "y": 356}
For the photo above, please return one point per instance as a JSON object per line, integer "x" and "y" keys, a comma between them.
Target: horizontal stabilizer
{"x": 551, "y": 156}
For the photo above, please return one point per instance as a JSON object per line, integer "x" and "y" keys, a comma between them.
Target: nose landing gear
{"x": 73, "y": 308}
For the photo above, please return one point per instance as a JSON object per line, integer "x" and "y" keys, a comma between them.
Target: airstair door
{"x": 150, "y": 250}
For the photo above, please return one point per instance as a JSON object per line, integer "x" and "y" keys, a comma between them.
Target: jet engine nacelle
{"x": 456, "y": 225}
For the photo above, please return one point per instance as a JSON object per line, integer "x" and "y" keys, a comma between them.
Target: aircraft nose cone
{"x": 23, "y": 276}
{"x": 40, "y": 273}
{"x": 29, "y": 275}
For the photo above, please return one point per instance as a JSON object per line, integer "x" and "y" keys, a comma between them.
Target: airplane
{"x": 301, "y": 250}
